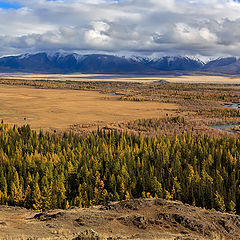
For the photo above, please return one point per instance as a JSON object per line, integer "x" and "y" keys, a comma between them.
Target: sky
{"x": 201, "y": 28}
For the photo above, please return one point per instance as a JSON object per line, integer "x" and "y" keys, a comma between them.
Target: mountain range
{"x": 99, "y": 63}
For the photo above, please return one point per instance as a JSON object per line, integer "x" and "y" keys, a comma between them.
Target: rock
{"x": 131, "y": 204}
{"x": 50, "y": 225}
{"x": 189, "y": 222}
{"x": 114, "y": 238}
{"x": 88, "y": 234}
{"x": 159, "y": 202}
{"x": 140, "y": 222}
{"x": 186, "y": 238}
{"x": 80, "y": 221}
{"x": 47, "y": 217}
{"x": 225, "y": 225}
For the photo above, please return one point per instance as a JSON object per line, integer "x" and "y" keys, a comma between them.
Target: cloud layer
{"x": 169, "y": 27}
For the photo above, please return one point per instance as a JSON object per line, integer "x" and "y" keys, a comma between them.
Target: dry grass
{"x": 210, "y": 79}
{"x": 50, "y": 109}
{"x": 194, "y": 78}
{"x": 80, "y": 77}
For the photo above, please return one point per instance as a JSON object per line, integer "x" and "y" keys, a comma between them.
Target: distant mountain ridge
{"x": 99, "y": 63}
{"x": 230, "y": 65}
{"x": 70, "y": 63}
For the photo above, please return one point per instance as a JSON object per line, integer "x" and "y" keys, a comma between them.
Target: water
{"x": 235, "y": 105}
{"x": 113, "y": 93}
{"x": 227, "y": 128}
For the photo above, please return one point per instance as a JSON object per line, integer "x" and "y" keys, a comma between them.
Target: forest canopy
{"x": 42, "y": 171}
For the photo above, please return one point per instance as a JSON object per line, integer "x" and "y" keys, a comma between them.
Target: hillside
{"x": 58, "y": 62}
{"x": 229, "y": 65}
{"x": 94, "y": 63}
{"x": 70, "y": 63}
{"x": 131, "y": 219}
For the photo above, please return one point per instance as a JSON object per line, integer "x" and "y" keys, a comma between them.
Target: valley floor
{"x": 57, "y": 109}
{"x": 83, "y": 106}
{"x": 194, "y": 77}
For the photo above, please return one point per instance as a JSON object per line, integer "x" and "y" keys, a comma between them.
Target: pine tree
{"x": 37, "y": 197}
{"x": 16, "y": 190}
{"x": 232, "y": 207}
{"x": 219, "y": 202}
{"x": 28, "y": 201}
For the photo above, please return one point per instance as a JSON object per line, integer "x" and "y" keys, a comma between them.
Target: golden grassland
{"x": 189, "y": 78}
{"x": 208, "y": 79}
{"x": 56, "y": 109}
{"x": 85, "y": 102}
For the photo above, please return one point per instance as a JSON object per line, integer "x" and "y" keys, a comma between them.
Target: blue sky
{"x": 208, "y": 28}
{"x": 6, "y": 5}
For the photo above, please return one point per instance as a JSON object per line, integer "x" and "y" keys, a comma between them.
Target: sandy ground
{"x": 194, "y": 78}
{"x": 50, "y": 109}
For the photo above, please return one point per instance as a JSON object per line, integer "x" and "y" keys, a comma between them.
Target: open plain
{"x": 170, "y": 77}
{"x": 83, "y": 103}
{"x": 57, "y": 109}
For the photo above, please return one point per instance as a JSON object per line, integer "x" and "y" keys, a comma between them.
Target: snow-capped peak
{"x": 25, "y": 55}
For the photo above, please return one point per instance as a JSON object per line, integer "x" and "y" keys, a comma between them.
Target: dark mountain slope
{"x": 70, "y": 63}
{"x": 176, "y": 63}
{"x": 110, "y": 64}
{"x": 93, "y": 63}
{"x": 229, "y": 65}
{"x": 99, "y": 63}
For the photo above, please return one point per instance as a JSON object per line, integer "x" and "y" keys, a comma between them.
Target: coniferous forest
{"x": 44, "y": 171}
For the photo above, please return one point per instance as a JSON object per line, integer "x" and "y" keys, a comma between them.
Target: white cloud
{"x": 97, "y": 35}
{"x": 172, "y": 27}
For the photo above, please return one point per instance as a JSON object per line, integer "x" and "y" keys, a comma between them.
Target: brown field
{"x": 192, "y": 78}
{"x": 51, "y": 109}
{"x": 81, "y": 77}
{"x": 210, "y": 79}
{"x": 83, "y": 104}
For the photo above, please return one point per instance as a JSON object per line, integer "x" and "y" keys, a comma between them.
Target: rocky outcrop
{"x": 131, "y": 219}
{"x": 87, "y": 235}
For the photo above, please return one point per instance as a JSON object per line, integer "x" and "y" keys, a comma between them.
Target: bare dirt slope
{"x": 133, "y": 219}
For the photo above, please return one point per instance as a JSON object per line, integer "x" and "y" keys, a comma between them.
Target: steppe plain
{"x": 83, "y": 102}
{"x": 207, "y": 78}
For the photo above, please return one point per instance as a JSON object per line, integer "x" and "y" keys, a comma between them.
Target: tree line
{"x": 44, "y": 171}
